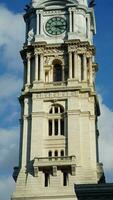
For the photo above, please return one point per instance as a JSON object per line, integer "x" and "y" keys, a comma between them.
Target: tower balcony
{"x": 53, "y": 163}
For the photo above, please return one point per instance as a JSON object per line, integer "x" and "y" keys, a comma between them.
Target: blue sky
{"x": 11, "y": 39}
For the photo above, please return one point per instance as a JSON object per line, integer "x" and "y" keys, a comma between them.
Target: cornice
{"x": 76, "y": 44}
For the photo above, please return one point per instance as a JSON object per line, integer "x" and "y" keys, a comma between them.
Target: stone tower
{"x": 59, "y": 106}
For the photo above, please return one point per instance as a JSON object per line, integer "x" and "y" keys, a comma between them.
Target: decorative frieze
{"x": 57, "y": 94}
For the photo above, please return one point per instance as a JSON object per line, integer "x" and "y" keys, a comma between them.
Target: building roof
{"x": 94, "y": 191}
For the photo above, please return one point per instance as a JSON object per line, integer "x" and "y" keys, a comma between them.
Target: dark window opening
{"x": 50, "y": 153}
{"x": 65, "y": 179}
{"x": 82, "y": 67}
{"x": 56, "y": 153}
{"x": 62, "y": 126}
{"x": 72, "y": 22}
{"x": 50, "y": 127}
{"x": 47, "y": 179}
{"x": 72, "y": 64}
{"x": 38, "y": 67}
{"x": 61, "y": 109}
{"x": 57, "y": 73}
{"x": 62, "y": 153}
{"x": 50, "y": 111}
{"x": 56, "y": 109}
{"x": 56, "y": 126}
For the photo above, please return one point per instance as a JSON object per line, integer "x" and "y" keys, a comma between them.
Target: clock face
{"x": 56, "y": 26}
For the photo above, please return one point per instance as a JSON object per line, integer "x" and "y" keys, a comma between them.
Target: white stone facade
{"x": 59, "y": 106}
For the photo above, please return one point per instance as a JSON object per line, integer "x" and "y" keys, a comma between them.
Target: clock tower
{"x": 59, "y": 105}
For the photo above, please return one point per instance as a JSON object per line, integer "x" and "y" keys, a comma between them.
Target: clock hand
{"x": 59, "y": 26}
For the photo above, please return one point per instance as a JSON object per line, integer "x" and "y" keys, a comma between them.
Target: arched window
{"x": 50, "y": 154}
{"x": 56, "y": 154}
{"x": 56, "y": 120}
{"x": 57, "y": 70}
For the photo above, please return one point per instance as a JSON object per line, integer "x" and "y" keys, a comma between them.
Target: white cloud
{"x": 106, "y": 139}
{"x": 11, "y": 37}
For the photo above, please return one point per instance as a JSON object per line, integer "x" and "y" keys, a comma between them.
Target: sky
{"x": 12, "y": 33}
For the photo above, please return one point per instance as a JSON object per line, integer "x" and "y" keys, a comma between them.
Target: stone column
{"x": 20, "y": 145}
{"x": 59, "y": 129}
{"x": 70, "y": 21}
{"x": 76, "y": 66}
{"x": 53, "y": 127}
{"x": 74, "y": 21}
{"x": 41, "y": 23}
{"x": 84, "y": 68}
{"x": 37, "y": 23}
{"x": 36, "y": 66}
{"x": 63, "y": 78}
{"x": 79, "y": 68}
{"x": 28, "y": 68}
{"x": 90, "y": 71}
{"x": 88, "y": 28}
{"x": 70, "y": 65}
{"x": 51, "y": 74}
{"x": 41, "y": 67}
{"x": 25, "y": 133}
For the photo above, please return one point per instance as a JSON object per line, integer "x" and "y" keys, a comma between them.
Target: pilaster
{"x": 25, "y": 134}
{"x": 70, "y": 65}
{"x": 84, "y": 68}
{"x": 90, "y": 70}
{"x": 28, "y": 68}
{"x": 36, "y": 66}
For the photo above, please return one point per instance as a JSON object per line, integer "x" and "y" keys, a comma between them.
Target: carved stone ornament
{"x": 30, "y": 35}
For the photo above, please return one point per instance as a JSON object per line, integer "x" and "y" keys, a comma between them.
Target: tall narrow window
{"x": 87, "y": 59}
{"x": 56, "y": 153}
{"x": 62, "y": 153}
{"x": 82, "y": 67}
{"x": 57, "y": 73}
{"x": 50, "y": 153}
{"x": 72, "y": 21}
{"x": 62, "y": 126}
{"x": 50, "y": 127}
{"x": 56, "y": 109}
{"x": 47, "y": 179}
{"x": 56, "y": 126}
{"x": 38, "y": 67}
{"x": 65, "y": 179}
{"x": 72, "y": 64}
{"x": 56, "y": 121}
